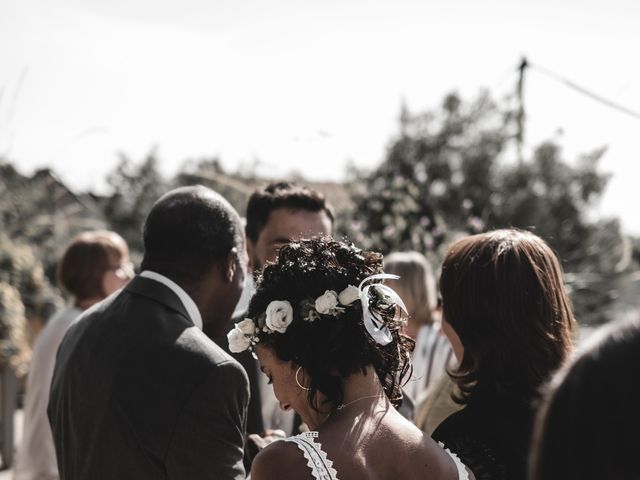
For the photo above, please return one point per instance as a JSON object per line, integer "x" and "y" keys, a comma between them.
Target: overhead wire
{"x": 584, "y": 91}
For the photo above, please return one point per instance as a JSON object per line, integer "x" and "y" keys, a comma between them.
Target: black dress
{"x": 491, "y": 436}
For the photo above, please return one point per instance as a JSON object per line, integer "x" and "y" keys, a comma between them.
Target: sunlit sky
{"x": 303, "y": 86}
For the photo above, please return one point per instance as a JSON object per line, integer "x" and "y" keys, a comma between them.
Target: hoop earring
{"x": 298, "y": 381}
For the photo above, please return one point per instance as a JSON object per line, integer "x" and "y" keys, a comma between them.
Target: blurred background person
{"x": 588, "y": 426}
{"x": 510, "y": 322}
{"x": 94, "y": 265}
{"x": 281, "y": 212}
{"x": 428, "y": 398}
{"x": 417, "y": 288}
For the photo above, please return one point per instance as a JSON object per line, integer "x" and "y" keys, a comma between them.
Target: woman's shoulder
{"x": 492, "y": 421}
{"x": 401, "y": 450}
{"x": 280, "y": 459}
{"x": 52, "y": 333}
{"x": 492, "y": 446}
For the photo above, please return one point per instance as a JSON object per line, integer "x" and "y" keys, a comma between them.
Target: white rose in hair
{"x": 349, "y": 295}
{"x": 238, "y": 340}
{"x": 327, "y": 303}
{"x": 247, "y": 326}
{"x": 279, "y": 315}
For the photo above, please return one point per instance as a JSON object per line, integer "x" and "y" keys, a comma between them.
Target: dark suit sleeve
{"x": 209, "y": 435}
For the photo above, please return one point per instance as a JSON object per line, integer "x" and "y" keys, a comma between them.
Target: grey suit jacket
{"x": 138, "y": 392}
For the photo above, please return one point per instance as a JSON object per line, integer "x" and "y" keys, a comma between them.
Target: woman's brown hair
{"x": 85, "y": 261}
{"x": 504, "y": 296}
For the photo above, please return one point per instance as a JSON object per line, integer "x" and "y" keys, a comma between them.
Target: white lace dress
{"x": 322, "y": 467}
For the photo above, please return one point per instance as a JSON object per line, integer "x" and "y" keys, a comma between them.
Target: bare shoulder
{"x": 442, "y": 463}
{"x": 416, "y": 454}
{"x": 280, "y": 460}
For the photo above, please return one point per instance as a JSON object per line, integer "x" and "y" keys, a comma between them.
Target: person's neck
{"x": 86, "y": 302}
{"x": 361, "y": 392}
{"x": 206, "y": 294}
{"x": 362, "y": 386}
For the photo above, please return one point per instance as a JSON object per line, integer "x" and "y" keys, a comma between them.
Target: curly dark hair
{"x": 331, "y": 347}
{"x": 503, "y": 294}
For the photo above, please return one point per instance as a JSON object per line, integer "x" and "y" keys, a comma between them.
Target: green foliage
{"x": 548, "y": 194}
{"x": 209, "y": 172}
{"x": 40, "y": 210}
{"x": 13, "y": 322}
{"x": 26, "y": 299}
{"x": 21, "y": 268}
{"x": 448, "y": 173}
{"x": 135, "y": 187}
{"x": 13, "y": 342}
{"x": 440, "y": 167}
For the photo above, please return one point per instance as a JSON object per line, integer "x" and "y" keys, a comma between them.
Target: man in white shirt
{"x": 139, "y": 391}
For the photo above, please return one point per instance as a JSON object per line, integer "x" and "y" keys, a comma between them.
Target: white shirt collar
{"x": 189, "y": 305}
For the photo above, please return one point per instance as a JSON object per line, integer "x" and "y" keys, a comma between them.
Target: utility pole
{"x": 520, "y": 115}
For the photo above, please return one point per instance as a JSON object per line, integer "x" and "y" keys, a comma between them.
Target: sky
{"x": 304, "y": 86}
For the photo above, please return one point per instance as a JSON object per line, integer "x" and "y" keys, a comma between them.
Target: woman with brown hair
{"x": 509, "y": 319}
{"x": 94, "y": 265}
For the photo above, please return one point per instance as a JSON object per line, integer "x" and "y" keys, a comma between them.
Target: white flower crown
{"x": 279, "y": 313}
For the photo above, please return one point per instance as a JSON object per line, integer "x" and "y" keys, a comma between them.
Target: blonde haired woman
{"x": 417, "y": 287}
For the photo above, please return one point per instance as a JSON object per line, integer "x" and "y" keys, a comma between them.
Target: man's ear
{"x": 250, "y": 250}
{"x": 231, "y": 265}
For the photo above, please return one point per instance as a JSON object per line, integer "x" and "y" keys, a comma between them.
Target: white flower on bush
{"x": 279, "y": 315}
{"x": 239, "y": 341}
{"x": 349, "y": 295}
{"x": 327, "y": 303}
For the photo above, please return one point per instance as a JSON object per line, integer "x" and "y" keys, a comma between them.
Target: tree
{"x": 449, "y": 172}
{"x": 136, "y": 187}
{"x": 27, "y": 300}
{"x": 236, "y": 188}
{"x": 13, "y": 342}
{"x": 440, "y": 167}
{"x": 40, "y": 210}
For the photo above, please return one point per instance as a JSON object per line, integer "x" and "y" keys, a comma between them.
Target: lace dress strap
{"x": 321, "y": 467}
{"x": 463, "y": 474}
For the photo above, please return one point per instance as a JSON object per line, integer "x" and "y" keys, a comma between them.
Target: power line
{"x": 503, "y": 78}
{"x": 584, "y": 91}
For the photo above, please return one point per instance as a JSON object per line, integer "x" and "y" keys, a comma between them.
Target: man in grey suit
{"x": 138, "y": 390}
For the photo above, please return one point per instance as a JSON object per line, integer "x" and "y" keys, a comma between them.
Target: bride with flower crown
{"x": 327, "y": 334}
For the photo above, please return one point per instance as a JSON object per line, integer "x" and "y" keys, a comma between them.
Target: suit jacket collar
{"x": 158, "y": 292}
{"x": 185, "y": 298}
